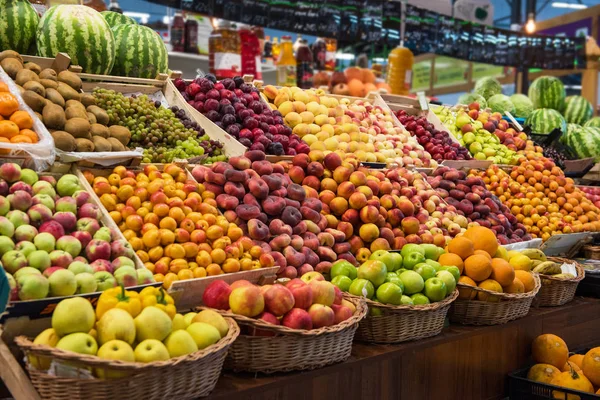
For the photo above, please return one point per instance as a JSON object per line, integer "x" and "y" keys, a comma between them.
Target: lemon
{"x": 520, "y": 262}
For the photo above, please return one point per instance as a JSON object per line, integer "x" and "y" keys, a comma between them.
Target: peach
{"x": 262, "y": 167}
{"x": 297, "y": 242}
{"x": 291, "y": 216}
{"x": 329, "y": 184}
{"x": 332, "y": 161}
{"x": 326, "y": 254}
{"x": 326, "y": 239}
{"x": 310, "y": 257}
{"x": 257, "y": 230}
{"x": 289, "y": 272}
{"x": 296, "y": 192}
{"x": 323, "y": 267}
{"x": 234, "y": 189}
{"x": 310, "y": 214}
{"x": 278, "y": 227}
{"x": 346, "y": 228}
{"x": 216, "y": 295}
{"x": 273, "y": 182}
{"x": 338, "y": 205}
{"x": 302, "y": 292}
{"x": 343, "y": 247}
{"x": 273, "y": 205}
{"x": 293, "y": 257}
{"x": 310, "y": 240}
{"x": 357, "y": 200}
{"x": 369, "y": 232}
{"x": 300, "y": 228}
{"x": 341, "y": 174}
{"x": 247, "y": 212}
{"x": 345, "y": 189}
{"x": 296, "y": 174}
{"x": 247, "y": 301}
{"x": 407, "y": 208}
{"x": 297, "y": 318}
{"x": 231, "y": 175}
{"x": 410, "y": 225}
{"x": 312, "y": 182}
{"x": 351, "y": 216}
{"x": 369, "y": 214}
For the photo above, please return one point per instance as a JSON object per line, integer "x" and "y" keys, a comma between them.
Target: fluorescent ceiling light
{"x": 142, "y": 16}
{"x": 345, "y": 56}
{"x": 568, "y": 5}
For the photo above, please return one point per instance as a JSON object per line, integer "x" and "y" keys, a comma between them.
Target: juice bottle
{"x": 297, "y": 44}
{"x": 400, "y": 63}
{"x": 286, "y": 64}
{"x": 331, "y": 45}
{"x": 224, "y": 54}
{"x": 191, "y": 35}
{"x": 251, "y": 60}
{"x": 260, "y": 34}
{"x": 304, "y": 65}
{"x": 319, "y": 49}
{"x": 275, "y": 50}
{"x": 178, "y": 32}
{"x": 268, "y": 52}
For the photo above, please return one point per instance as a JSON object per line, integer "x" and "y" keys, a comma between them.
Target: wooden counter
{"x": 462, "y": 363}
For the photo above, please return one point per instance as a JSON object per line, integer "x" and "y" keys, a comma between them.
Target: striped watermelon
{"x": 577, "y": 110}
{"x": 115, "y": 19}
{"x": 18, "y": 23}
{"x": 547, "y": 92}
{"x": 594, "y": 122}
{"x": 82, "y": 33}
{"x": 544, "y": 120}
{"x": 140, "y": 52}
{"x": 584, "y": 140}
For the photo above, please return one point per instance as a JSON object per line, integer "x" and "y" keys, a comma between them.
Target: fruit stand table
{"x": 462, "y": 363}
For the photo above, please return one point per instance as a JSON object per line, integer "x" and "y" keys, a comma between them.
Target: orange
{"x": 8, "y": 104}
{"x": 543, "y": 373}
{"x": 3, "y": 87}
{"x": 515, "y": 287}
{"x": 502, "y": 271}
{"x": 462, "y": 247}
{"x": 482, "y": 253}
{"x": 8, "y": 129}
{"x": 466, "y": 293}
{"x": 4, "y": 140}
{"x": 568, "y": 365}
{"x": 483, "y": 239}
{"x": 22, "y": 119}
{"x": 449, "y": 259}
{"x": 577, "y": 359}
{"x": 478, "y": 268}
{"x": 571, "y": 380}
{"x": 550, "y": 349}
{"x": 591, "y": 365}
{"x": 526, "y": 278}
{"x": 492, "y": 285}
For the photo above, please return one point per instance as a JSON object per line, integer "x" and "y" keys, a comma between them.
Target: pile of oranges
{"x": 483, "y": 263}
{"x": 15, "y": 125}
{"x": 173, "y": 224}
{"x": 542, "y": 198}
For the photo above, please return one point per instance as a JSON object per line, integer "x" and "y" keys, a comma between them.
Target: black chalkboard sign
{"x": 255, "y": 12}
{"x": 228, "y": 9}
{"x": 513, "y": 55}
{"x": 204, "y": 7}
{"x": 462, "y": 41}
{"x": 371, "y": 21}
{"x": 350, "y": 19}
{"x": 421, "y": 32}
{"x": 281, "y": 15}
{"x": 500, "y": 53}
{"x": 477, "y": 51}
{"x": 447, "y": 36}
{"x": 331, "y": 16}
{"x": 390, "y": 23}
{"x": 307, "y": 17}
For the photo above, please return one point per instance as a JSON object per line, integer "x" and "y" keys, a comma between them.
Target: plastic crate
{"x": 521, "y": 388}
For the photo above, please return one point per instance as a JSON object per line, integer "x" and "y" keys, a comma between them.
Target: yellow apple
{"x": 116, "y": 324}
{"x": 152, "y": 323}
{"x": 151, "y": 350}
{"x": 215, "y": 319}
{"x": 114, "y": 350}
{"x": 180, "y": 343}
{"x": 203, "y": 334}
{"x": 49, "y": 338}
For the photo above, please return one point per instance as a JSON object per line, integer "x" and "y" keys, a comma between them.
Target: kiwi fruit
{"x": 48, "y": 73}
{"x": 49, "y": 83}
{"x": 74, "y": 103}
{"x": 11, "y": 54}
{"x": 70, "y": 79}
{"x": 37, "y": 114}
{"x": 67, "y": 92}
{"x": 54, "y": 116}
{"x": 64, "y": 141}
{"x": 116, "y": 145}
{"x": 78, "y": 127}
{"x": 12, "y": 66}
{"x": 75, "y": 112}
{"x": 24, "y": 76}
{"x": 92, "y": 118}
{"x": 55, "y": 97}
{"x": 88, "y": 100}
{"x": 120, "y": 133}
{"x": 21, "y": 90}
{"x": 35, "y": 87}
{"x": 100, "y": 130}
{"x": 33, "y": 67}
{"x": 34, "y": 100}
{"x": 84, "y": 145}
{"x": 101, "y": 144}
{"x": 101, "y": 115}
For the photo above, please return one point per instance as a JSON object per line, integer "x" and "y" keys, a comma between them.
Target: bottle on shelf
{"x": 331, "y": 45}
{"x": 304, "y": 65}
{"x": 191, "y": 35}
{"x": 114, "y": 7}
{"x": 297, "y": 44}
{"x": 178, "y": 32}
{"x": 275, "y": 50}
{"x": 286, "y": 64}
{"x": 400, "y": 63}
{"x": 251, "y": 59}
{"x": 319, "y": 50}
{"x": 259, "y": 31}
{"x": 224, "y": 52}
{"x": 268, "y": 51}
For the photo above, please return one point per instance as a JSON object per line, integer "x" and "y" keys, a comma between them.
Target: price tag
{"x": 423, "y": 101}
{"x": 514, "y": 121}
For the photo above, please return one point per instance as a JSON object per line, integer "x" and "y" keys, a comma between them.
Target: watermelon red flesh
{"x": 140, "y": 52}
{"x": 82, "y": 33}
{"x": 547, "y": 92}
{"x": 18, "y": 24}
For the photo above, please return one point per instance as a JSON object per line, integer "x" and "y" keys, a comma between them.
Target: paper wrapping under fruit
{"x": 38, "y": 156}
{"x": 530, "y": 244}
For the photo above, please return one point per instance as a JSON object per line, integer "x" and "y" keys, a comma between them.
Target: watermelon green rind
{"x": 547, "y": 92}
{"x": 18, "y": 25}
{"x": 545, "y": 120}
{"x": 594, "y": 122}
{"x": 140, "y": 52}
{"x": 82, "y": 33}
{"x": 577, "y": 110}
{"x": 584, "y": 142}
{"x": 113, "y": 19}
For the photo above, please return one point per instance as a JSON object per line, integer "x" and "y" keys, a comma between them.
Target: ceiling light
{"x": 569, "y": 5}
{"x": 530, "y": 25}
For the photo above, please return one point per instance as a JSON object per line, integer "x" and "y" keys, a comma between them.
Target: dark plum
{"x": 228, "y": 84}
{"x": 212, "y": 115}
{"x": 233, "y": 130}
{"x": 206, "y": 85}
{"x": 228, "y": 119}
{"x": 250, "y": 123}
{"x": 213, "y": 94}
{"x": 211, "y": 105}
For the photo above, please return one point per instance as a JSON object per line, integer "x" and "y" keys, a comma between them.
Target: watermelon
{"x": 82, "y": 33}
{"x": 594, "y": 122}
{"x": 18, "y": 24}
{"x": 547, "y": 92}
{"x": 140, "y": 52}
{"x": 545, "y": 120}
{"x": 577, "y": 110}
{"x": 113, "y": 19}
{"x": 584, "y": 141}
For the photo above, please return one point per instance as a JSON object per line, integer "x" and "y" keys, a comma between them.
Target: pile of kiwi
{"x": 72, "y": 117}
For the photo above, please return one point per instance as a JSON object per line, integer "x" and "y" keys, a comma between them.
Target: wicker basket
{"x": 555, "y": 291}
{"x": 395, "y": 324}
{"x": 591, "y": 252}
{"x": 186, "y": 377}
{"x": 476, "y": 312}
{"x": 292, "y": 349}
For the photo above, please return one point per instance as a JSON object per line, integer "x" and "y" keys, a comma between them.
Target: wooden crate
{"x": 61, "y": 62}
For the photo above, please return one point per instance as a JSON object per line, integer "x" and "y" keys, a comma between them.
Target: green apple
{"x": 62, "y": 283}
{"x": 413, "y": 282}
{"x": 179, "y": 322}
{"x": 435, "y": 289}
{"x": 26, "y": 271}
{"x": 33, "y": 287}
{"x": 362, "y": 287}
{"x": 389, "y": 293}
{"x": 392, "y": 277}
{"x": 411, "y": 248}
{"x": 375, "y": 312}
{"x": 431, "y": 251}
{"x": 392, "y": 260}
{"x": 411, "y": 259}
{"x": 343, "y": 268}
{"x": 78, "y": 342}
{"x": 39, "y": 259}
{"x": 401, "y": 270}
{"x": 104, "y": 234}
{"x": 342, "y": 282}
{"x": 448, "y": 279}
{"x": 29, "y": 176}
{"x": 44, "y": 241}
{"x": 454, "y": 271}
{"x": 425, "y": 270}
{"x": 116, "y": 324}
{"x": 72, "y": 315}
{"x": 434, "y": 264}
{"x": 78, "y": 267}
{"x": 373, "y": 270}
{"x": 6, "y": 244}
{"x": 151, "y": 350}
{"x": 189, "y": 317}
{"x": 26, "y": 247}
{"x": 203, "y": 334}
{"x": 105, "y": 280}
{"x": 406, "y": 301}
{"x": 114, "y": 350}
{"x": 309, "y": 276}
{"x": 86, "y": 283}
{"x": 152, "y": 323}
{"x": 213, "y": 318}
{"x": 180, "y": 343}
{"x": 419, "y": 299}
{"x": 67, "y": 185}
